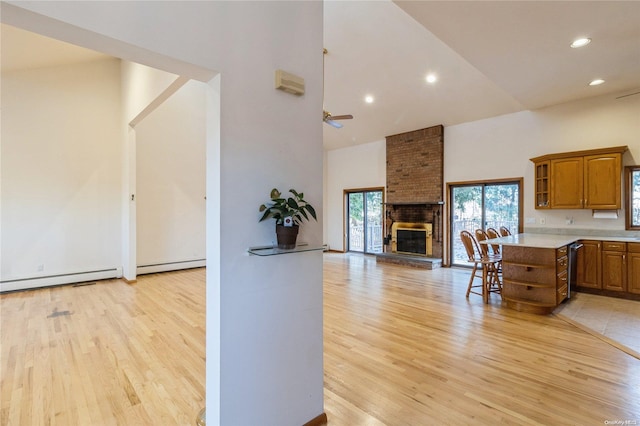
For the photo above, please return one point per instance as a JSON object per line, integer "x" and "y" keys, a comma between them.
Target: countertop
{"x": 551, "y": 240}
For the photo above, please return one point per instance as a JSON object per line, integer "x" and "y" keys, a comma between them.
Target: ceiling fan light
{"x": 580, "y": 42}
{"x": 431, "y": 78}
{"x": 596, "y": 82}
{"x": 368, "y": 99}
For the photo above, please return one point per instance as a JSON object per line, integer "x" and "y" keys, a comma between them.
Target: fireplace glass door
{"x": 364, "y": 221}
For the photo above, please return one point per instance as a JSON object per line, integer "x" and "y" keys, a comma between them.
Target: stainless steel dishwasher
{"x": 573, "y": 268}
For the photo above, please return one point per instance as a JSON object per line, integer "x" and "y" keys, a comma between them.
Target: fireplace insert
{"x": 411, "y": 238}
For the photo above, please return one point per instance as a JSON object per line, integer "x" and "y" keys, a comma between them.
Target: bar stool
{"x": 504, "y": 231}
{"x": 492, "y": 233}
{"x": 487, "y": 265}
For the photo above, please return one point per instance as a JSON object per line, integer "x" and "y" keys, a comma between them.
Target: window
{"x": 486, "y": 204}
{"x": 632, "y": 192}
{"x": 364, "y": 220}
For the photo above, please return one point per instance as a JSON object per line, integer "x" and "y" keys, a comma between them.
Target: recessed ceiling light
{"x": 431, "y": 78}
{"x": 368, "y": 99}
{"x": 596, "y": 82}
{"x": 580, "y": 42}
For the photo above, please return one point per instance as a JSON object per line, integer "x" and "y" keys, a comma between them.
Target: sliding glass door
{"x": 482, "y": 205}
{"x": 364, "y": 221}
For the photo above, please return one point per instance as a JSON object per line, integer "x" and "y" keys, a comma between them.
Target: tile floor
{"x": 615, "y": 319}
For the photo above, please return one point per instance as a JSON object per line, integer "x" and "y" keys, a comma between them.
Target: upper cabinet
{"x": 579, "y": 180}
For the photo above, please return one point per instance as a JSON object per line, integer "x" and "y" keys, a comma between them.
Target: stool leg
{"x": 473, "y": 275}
{"x": 485, "y": 283}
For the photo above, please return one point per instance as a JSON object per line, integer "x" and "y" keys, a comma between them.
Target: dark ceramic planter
{"x": 287, "y": 236}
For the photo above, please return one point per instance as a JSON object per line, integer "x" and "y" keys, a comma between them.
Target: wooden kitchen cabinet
{"x": 579, "y": 180}
{"x": 633, "y": 268}
{"x": 589, "y": 261}
{"x": 542, "y": 185}
{"x": 567, "y": 183}
{"x": 614, "y": 266}
{"x": 603, "y": 181}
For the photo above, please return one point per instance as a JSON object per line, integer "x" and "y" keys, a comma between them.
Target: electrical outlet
{"x": 569, "y": 221}
{"x": 41, "y": 267}
{"x": 542, "y": 221}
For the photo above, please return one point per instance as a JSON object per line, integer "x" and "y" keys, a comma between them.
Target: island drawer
{"x": 633, "y": 247}
{"x": 538, "y": 274}
{"x": 613, "y": 246}
{"x": 562, "y": 263}
{"x": 562, "y": 293}
{"x": 562, "y": 251}
{"x": 529, "y": 294}
{"x": 562, "y": 278}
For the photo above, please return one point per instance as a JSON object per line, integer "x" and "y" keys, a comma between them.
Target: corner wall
{"x": 61, "y": 172}
{"x": 170, "y": 183}
{"x": 360, "y": 166}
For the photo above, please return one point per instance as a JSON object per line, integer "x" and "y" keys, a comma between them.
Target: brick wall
{"x": 415, "y": 175}
{"x": 415, "y": 166}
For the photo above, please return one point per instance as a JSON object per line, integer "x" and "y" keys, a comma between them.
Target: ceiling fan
{"x": 326, "y": 115}
{"x": 331, "y": 119}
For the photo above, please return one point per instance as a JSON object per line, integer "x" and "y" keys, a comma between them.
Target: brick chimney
{"x": 415, "y": 178}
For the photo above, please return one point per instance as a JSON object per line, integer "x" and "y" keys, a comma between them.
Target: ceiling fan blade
{"x": 333, "y": 123}
{"x": 342, "y": 117}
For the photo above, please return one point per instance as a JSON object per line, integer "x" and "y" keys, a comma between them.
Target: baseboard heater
{"x": 60, "y": 279}
{"x": 170, "y": 266}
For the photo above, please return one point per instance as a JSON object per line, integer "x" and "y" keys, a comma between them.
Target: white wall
{"x": 170, "y": 180}
{"x": 501, "y": 147}
{"x": 61, "y": 171}
{"x": 360, "y": 166}
{"x": 264, "y": 334}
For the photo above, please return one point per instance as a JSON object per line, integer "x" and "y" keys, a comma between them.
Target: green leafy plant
{"x": 295, "y": 207}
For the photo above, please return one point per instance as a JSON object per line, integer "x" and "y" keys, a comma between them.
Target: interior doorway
{"x": 364, "y": 220}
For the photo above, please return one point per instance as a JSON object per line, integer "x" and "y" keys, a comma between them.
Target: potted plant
{"x": 288, "y": 214}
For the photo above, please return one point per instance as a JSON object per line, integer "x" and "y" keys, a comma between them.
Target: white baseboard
{"x": 170, "y": 266}
{"x": 76, "y": 277}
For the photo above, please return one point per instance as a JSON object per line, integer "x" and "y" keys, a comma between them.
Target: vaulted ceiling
{"x": 490, "y": 58}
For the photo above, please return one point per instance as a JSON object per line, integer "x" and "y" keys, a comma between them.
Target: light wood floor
{"x": 402, "y": 347}
{"x": 105, "y": 354}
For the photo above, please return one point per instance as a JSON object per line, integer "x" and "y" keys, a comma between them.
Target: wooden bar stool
{"x": 487, "y": 265}
{"x": 491, "y": 234}
{"x": 504, "y": 231}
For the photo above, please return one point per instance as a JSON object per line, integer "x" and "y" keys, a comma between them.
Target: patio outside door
{"x": 364, "y": 221}
{"x": 482, "y": 205}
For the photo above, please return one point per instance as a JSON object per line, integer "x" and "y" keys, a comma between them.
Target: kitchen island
{"x": 535, "y": 269}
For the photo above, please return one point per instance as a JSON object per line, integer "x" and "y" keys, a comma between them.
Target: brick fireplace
{"x": 415, "y": 185}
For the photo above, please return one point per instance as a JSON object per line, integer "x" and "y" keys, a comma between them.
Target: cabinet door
{"x": 602, "y": 181}
{"x": 614, "y": 270}
{"x": 567, "y": 183}
{"x": 589, "y": 258}
{"x": 633, "y": 276}
{"x": 542, "y": 185}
